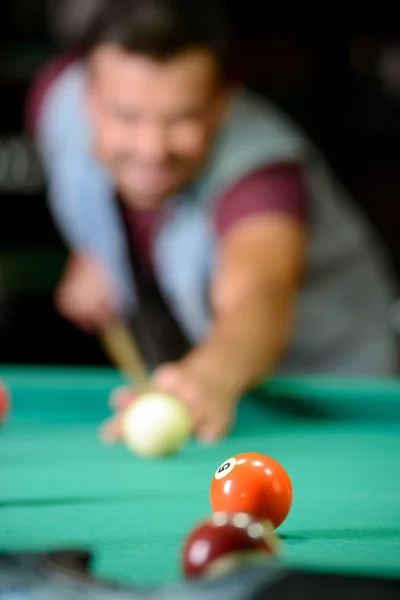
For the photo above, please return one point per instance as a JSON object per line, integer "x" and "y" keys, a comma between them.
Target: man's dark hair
{"x": 159, "y": 29}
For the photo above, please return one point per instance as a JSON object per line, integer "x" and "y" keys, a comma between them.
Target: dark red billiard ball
{"x": 4, "y": 402}
{"x": 252, "y": 483}
{"x": 223, "y": 541}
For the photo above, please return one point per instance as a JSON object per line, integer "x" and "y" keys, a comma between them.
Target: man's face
{"x": 153, "y": 120}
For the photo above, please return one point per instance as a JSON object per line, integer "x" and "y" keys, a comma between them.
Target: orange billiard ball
{"x": 252, "y": 483}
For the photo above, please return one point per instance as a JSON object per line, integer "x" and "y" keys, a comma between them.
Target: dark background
{"x": 325, "y": 67}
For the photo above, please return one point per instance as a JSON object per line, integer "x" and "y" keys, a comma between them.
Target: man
{"x": 200, "y": 214}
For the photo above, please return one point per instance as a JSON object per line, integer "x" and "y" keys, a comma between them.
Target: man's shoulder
{"x": 255, "y": 134}
{"x": 59, "y": 120}
{"x": 272, "y": 189}
{"x": 54, "y": 73}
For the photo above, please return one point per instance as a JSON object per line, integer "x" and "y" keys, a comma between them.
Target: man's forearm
{"x": 245, "y": 345}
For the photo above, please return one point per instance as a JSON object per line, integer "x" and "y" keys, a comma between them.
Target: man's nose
{"x": 151, "y": 143}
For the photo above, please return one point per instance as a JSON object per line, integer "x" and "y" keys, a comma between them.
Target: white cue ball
{"x": 155, "y": 424}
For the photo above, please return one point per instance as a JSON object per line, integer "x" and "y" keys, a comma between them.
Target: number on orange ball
{"x": 252, "y": 483}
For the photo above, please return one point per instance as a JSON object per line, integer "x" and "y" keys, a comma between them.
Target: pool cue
{"x": 123, "y": 351}
{"x": 271, "y": 538}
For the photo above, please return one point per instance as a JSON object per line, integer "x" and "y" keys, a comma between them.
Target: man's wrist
{"x": 213, "y": 362}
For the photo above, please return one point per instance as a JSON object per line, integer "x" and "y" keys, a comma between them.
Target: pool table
{"x": 61, "y": 488}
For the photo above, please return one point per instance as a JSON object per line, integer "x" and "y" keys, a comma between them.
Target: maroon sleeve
{"x": 274, "y": 189}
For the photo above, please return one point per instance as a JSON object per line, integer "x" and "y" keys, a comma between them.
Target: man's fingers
{"x": 110, "y": 431}
{"x": 212, "y": 428}
{"x": 121, "y": 398}
{"x": 171, "y": 380}
{"x": 167, "y": 378}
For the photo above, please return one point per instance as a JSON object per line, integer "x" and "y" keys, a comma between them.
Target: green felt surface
{"x": 60, "y": 487}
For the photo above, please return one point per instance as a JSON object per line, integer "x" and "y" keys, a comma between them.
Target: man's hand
{"x": 253, "y": 296}
{"x": 83, "y": 295}
{"x": 212, "y": 407}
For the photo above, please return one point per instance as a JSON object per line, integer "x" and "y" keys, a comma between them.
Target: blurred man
{"x": 201, "y": 214}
